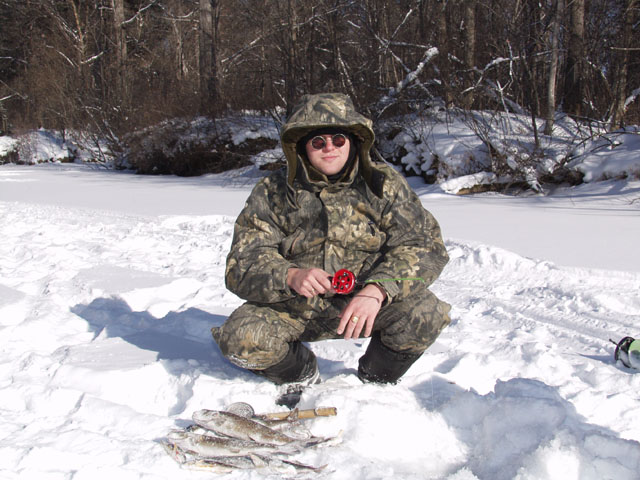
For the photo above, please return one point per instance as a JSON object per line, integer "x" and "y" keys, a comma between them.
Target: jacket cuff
{"x": 280, "y": 278}
{"x": 387, "y": 298}
{"x": 391, "y": 288}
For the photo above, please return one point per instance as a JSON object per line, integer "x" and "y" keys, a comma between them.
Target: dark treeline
{"x": 112, "y": 66}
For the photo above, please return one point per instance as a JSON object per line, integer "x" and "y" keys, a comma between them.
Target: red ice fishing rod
{"x": 344, "y": 281}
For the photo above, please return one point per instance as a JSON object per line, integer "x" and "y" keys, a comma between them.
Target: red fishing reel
{"x": 344, "y": 281}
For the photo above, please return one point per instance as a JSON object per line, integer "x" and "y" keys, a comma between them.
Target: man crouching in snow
{"x": 332, "y": 208}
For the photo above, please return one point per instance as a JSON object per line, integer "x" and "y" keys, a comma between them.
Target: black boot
{"x": 299, "y": 365}
{"x": 296, "y": 371}
{"x": 380, "y": 364}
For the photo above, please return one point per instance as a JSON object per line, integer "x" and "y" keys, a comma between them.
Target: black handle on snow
{"x": 622, "y": 351}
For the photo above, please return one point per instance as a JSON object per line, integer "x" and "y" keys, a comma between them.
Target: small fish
{"x": 174, "y": 452}
{"x": 228, "y": 463}
{"x": 210, "y": 446}
{"x": 251, "y": 462}
{"x": 234, "y": 426}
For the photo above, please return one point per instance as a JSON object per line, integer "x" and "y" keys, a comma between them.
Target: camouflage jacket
{"x": 370, "y": 221}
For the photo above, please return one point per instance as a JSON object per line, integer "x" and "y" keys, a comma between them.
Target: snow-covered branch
{"x": 411, "y": 77}
{"x": 140, "y": 11}
{"x": 631, "y": 98}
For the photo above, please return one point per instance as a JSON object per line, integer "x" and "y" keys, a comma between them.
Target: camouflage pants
{"x": 257, "y": 336}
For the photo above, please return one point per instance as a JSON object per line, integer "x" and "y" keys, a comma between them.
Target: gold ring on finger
{"x": 355, "y": 319}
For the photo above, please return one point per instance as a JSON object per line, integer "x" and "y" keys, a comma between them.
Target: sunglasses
{"x": 338, "y": 140}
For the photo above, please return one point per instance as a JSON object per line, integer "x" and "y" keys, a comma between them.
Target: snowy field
{"x": 110, "y": 282}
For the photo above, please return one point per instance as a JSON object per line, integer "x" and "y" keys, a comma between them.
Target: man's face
{"x": 329, "y": 158}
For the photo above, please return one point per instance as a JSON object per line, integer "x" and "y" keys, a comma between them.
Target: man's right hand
{"x": 309, "y": 282}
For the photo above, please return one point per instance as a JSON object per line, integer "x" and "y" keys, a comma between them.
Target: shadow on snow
{"x": 184, "y": 335}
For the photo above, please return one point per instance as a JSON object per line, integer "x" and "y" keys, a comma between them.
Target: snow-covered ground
{"x": 110, "y": 282}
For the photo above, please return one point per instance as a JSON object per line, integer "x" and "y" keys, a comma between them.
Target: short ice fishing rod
{"x": 344, "y": 281}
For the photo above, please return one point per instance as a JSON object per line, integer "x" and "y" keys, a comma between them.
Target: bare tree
{"x": 469, "y": 40}
{"x": 120, "y": 43}
{"x": 574, "y": 76}
{"x": 291, "y": 54}
{"x": 209, "y": 84}
{"x": 552, "y": 78}
{"x": 124, "y": 64}
{"x": 622, "y": 54}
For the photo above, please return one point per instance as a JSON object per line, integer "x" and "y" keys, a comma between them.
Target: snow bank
{"x": 43, "y": 146}
{"x": 614, "y": 155}
{"x": 52, "y": 146}
{"x": 465, "y": 182}
{"x": 453, "y": 149}
{"x": 7, "y": 145}
{"x": 435, "y": 146}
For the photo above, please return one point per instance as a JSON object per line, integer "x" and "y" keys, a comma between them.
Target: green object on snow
{"x": 634, "y": 354}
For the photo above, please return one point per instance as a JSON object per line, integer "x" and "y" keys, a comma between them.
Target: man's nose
{"x": 328, "y": 144}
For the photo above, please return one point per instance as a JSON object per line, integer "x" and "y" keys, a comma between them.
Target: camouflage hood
{"x": 327, "y": 110}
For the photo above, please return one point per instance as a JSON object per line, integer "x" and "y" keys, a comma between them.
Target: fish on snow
{"x": 211, "y": 446}
{"x": 235, "y": 426}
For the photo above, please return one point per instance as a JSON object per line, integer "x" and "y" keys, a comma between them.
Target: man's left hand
{"x": 361, "y": 312}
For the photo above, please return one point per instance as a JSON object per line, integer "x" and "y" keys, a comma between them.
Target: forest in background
{"x": 159, "y": 86}
{"x": 114, "y": 66}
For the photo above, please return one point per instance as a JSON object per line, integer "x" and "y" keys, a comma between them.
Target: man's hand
{"x": 361, "y": 312}
{"x": 309, "y": 282}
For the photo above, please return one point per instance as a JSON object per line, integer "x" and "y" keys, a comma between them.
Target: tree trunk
{"x": 181, "y": 69}
{"x": 121, "y": 44}
{"x": 209, "y": 88}
{"x": 291, "y": 44}
{"x": 81, "y": 46}
{"x": 469, "y": 42}
{"x": 573, "y": 84}
{"x": 553, "y": 67}
{"x": 442, "y": 42}
{"x": 621, "y": 71}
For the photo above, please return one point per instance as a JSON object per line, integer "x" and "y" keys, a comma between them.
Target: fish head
{"x": 176, "y": 435}
{"x": 205, "y": 415}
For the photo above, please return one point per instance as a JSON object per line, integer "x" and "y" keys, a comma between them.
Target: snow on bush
{"x": 468, "y": 182}
{"x": 432, "y": 146}
{"x": 53, "y": 146}
{"x": 37, "y": 146}
{"x": 458, "y": 149}
{"x": 8, "y": 149}
{"x": 202, "y": 145}
{"x": 613, "y": 155}
{"x": 463, "y": 151}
